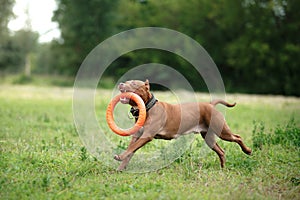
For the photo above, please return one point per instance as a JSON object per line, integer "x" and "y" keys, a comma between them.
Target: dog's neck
{"x": 149, "y": 104}
{"x": 146, "y": 97}
{"x": 144, "y": 94}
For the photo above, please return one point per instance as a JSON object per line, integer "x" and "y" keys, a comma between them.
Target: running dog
{"x": 168, "y": 121}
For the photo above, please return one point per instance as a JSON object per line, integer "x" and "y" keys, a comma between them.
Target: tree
{"x": 262, "y": 58}
{"x": 254, "y": 43}
{"x": 5, "y": 44}
{"x": 83, "y": 25}
{"x": 25, "y": 41}
{"x": 5, "y": 15}
{"x": 16, "y": 48}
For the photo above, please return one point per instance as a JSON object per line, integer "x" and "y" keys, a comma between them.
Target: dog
{"x": 168, "y": 121}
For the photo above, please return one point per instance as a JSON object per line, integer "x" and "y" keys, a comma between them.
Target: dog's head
{"x": 138, "y": 87}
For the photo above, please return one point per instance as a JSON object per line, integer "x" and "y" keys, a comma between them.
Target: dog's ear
{"x": 147, "y": 84}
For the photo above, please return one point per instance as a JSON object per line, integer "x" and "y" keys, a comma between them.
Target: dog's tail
{"x": 217, "y": 101}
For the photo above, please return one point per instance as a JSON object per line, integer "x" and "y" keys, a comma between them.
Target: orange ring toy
{"x": 110, "y": 117}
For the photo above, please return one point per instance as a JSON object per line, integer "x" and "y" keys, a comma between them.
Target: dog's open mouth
{"x": 124, "y": 100}
{"x": 123, "y": 88}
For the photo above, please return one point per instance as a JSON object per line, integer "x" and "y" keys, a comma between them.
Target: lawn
{"x": 42, "y": 156}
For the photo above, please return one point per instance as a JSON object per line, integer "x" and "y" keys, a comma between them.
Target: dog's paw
{"x": 121, "y": 169}
{"x": 248, "y": 151}
{"x": 117, "y": 157}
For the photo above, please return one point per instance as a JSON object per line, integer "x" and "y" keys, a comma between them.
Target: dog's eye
{"x": 133, "y": 83}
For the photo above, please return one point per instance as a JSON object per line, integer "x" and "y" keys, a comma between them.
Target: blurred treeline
{"x": 255, "y": 43}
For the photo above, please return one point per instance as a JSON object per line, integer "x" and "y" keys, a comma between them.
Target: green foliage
{"x": 23, "y": 79}
{"x": 267, "y": 62}
{"x": 83, "y": 25}
{"x": 84, "y": 154}
{"x": 15, "y": 48}
{"x": 5, "y": 15}
{"x": 288, "y": 136}
{"x": 259, "y": 138}
{"x": 41, "y": 80}
{"x": 254, "y": 43}
{"x": 11, "y": 57}
{"x": 47, "y": 59}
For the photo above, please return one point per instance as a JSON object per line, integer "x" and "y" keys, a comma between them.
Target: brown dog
{"x": 166, "y": 121}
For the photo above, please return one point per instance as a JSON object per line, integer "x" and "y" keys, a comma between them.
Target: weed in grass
{"x": 65, "y": 183}
{"x": 279, "y": 148}
{"x": 295, "y": 181}
{"x": 46, "y": 182}
{"x": 259, "y": 137}
{"x": 83, "y": 154}
{"x": 287, "y": 136}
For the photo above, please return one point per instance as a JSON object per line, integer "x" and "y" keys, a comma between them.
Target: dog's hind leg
{"x": 220, "y": 153}
{"x": 210, "y": 141}
{"x": 227, "y": 135}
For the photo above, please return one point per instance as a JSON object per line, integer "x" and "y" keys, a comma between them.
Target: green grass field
{"x": 42, "y": 157}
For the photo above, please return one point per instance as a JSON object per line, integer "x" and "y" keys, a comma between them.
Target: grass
{"x": 42, "y": 157}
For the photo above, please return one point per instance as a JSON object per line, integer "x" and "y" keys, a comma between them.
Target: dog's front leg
{"x": 127, "y": 159}
{"x": 125, "y": 162}
{"x": 133, "y": 148}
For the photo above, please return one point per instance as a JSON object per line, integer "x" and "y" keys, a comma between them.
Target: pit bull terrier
{"x": 167, "y": 121}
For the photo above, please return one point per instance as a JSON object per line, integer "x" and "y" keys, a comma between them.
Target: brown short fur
{"x": 168, "y": 121}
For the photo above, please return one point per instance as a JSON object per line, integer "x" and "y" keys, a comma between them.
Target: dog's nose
{"x": 121, "y": 86}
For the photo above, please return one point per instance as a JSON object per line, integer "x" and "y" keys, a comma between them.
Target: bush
{"x": 287, "y": 136}
{"x": 23, "y": 79}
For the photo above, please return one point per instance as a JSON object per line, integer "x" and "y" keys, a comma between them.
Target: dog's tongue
{"x": 124, "y": 100}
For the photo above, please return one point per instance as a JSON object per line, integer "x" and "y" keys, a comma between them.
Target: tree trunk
{"x": 28, "y": 66}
